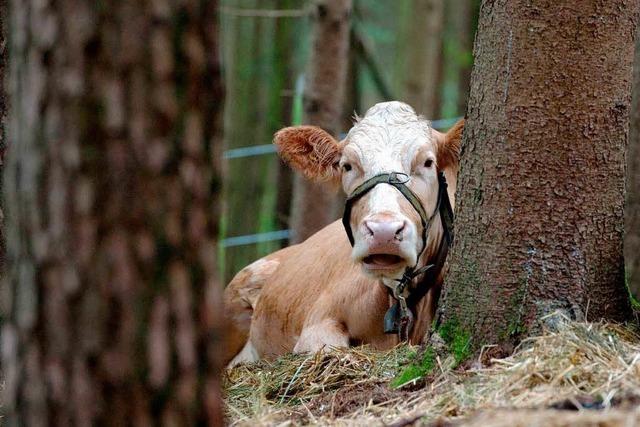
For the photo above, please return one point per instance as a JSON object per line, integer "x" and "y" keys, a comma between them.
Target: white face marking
{"x": 390, "y": 138}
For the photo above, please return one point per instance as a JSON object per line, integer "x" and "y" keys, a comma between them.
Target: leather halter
{"x": 399, "y": 318}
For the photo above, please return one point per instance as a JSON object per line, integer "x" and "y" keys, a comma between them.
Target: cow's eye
{"x": 346, "y": 167}
{"x": 428, "y": 163}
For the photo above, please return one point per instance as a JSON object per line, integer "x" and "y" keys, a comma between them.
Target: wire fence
{"x": 260, "y": 150}
{"x": 251, "y": 239}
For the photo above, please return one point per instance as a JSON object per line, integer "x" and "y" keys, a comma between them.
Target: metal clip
{"x": 403, "y": 305}
{"x": 398, "y": 178}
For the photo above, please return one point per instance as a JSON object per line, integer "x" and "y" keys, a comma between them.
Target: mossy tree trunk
{"x": 539, "y": 213}
{"x": 632, "y": 208}
{"x": 313, "y": 206}
{"x": 111, "y": 306}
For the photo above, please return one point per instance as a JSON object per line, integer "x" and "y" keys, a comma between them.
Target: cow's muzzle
{"x": 384, "y": 236}
{"x": 390, "y": 230}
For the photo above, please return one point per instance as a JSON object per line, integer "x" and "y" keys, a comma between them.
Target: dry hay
{"x": 578, "y": 366}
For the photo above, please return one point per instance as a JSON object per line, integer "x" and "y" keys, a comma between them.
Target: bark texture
{"x": 632, "y": 208}
{"x": 314, "y": 206}
{"x": 423, "y": 56}
{"x": 541, "y": 187}
{"x": 3, "y": 120}
{"x": 111, "y": 306}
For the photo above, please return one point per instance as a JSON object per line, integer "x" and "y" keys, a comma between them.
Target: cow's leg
{"x": 248, "y": 354}
{"x": 240, "y": 299}
{"x": 322, "y": 336}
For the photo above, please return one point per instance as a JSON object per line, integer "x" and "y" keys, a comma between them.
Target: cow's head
{"x": 391, "y": 137}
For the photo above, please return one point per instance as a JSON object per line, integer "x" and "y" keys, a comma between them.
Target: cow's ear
{"x": 311, "y": 151}
{"x": 448, "y": 146}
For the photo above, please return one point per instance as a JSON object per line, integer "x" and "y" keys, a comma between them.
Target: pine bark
{"x": 314, "y": 206}
{"x": 111, "y": 307}
{"x": 423, "y": 56}
{"x": 539, "y": 213}
{"x": 632, "y": 208}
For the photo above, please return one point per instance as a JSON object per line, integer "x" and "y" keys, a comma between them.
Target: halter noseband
{"x": 399, "y": 317}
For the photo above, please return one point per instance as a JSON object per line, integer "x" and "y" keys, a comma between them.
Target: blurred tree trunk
{"x": 3, "y": 120}
{"x": 352, "y": 98}
{"x": 423, "y": 56}
{"x": 313, "y": 206}
{"x": 243, "y": 53}
{"x": 461, "y": 14}
{"x": 632, "y": 210}
{"x": 287, "y": 35}
{"x": 111, "y": 307}
{"x": 258, "y": 63}
{"x": 539, "y": 215}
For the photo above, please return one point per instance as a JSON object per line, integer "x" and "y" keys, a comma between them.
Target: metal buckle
{"x": 398, "y": 178}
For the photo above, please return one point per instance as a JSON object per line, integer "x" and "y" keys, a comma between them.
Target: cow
{"x": 350, "y": 283}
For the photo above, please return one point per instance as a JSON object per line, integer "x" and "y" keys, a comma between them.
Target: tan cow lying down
{"x": 324, "y": 292}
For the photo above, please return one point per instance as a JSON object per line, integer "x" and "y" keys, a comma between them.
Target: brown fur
{"x": 316, "y": 282}
{"x": 311, "y": 151}
{"x": 310, "y": 295}
{"x": 449, "y": 146}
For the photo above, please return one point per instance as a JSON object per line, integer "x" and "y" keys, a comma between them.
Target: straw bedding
{"x": 577, "y": 374}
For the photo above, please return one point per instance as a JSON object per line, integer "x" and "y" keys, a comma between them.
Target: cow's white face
{"x": 390, "y": 138}
{"x": 386, "y": 228}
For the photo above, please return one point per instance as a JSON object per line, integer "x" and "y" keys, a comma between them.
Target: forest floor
{"x": 578, "y": 374}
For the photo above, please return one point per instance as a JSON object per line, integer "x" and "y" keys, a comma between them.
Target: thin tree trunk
{"x": 256, "y": 73}
{"x": 632, "y": 209}
{"x": 287, "y": 35}
{"x": 244, "y": 52}
{"x": 539, "y": 213}
{"x": 111, "y": 307}
{"x": 3, "y": 120}
{"x": 313, "y": 206}
{"x": 423, "y": 55}
{"x": 462, "y": 14}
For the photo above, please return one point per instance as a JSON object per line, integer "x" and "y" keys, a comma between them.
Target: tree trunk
{"x": 314, "y": 206}
{"x": 539, "y": 213}
{"x": 258, "y": 62}
{"x": 246, "y": 40}
{"x": 3, "y": 120}
{"x": 111, "y": 307}
{"x": 462, "y": 15}
{"x": 423, "y": 56}
{"x": 287, "y": 35}
{"x": 632, "y": 209}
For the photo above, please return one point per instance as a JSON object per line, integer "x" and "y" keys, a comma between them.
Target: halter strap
{"x": 399, "y": 318}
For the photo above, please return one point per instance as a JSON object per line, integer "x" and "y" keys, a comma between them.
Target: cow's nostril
{"x": 368, "y": 228}
{"x": 400, "y": 232}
